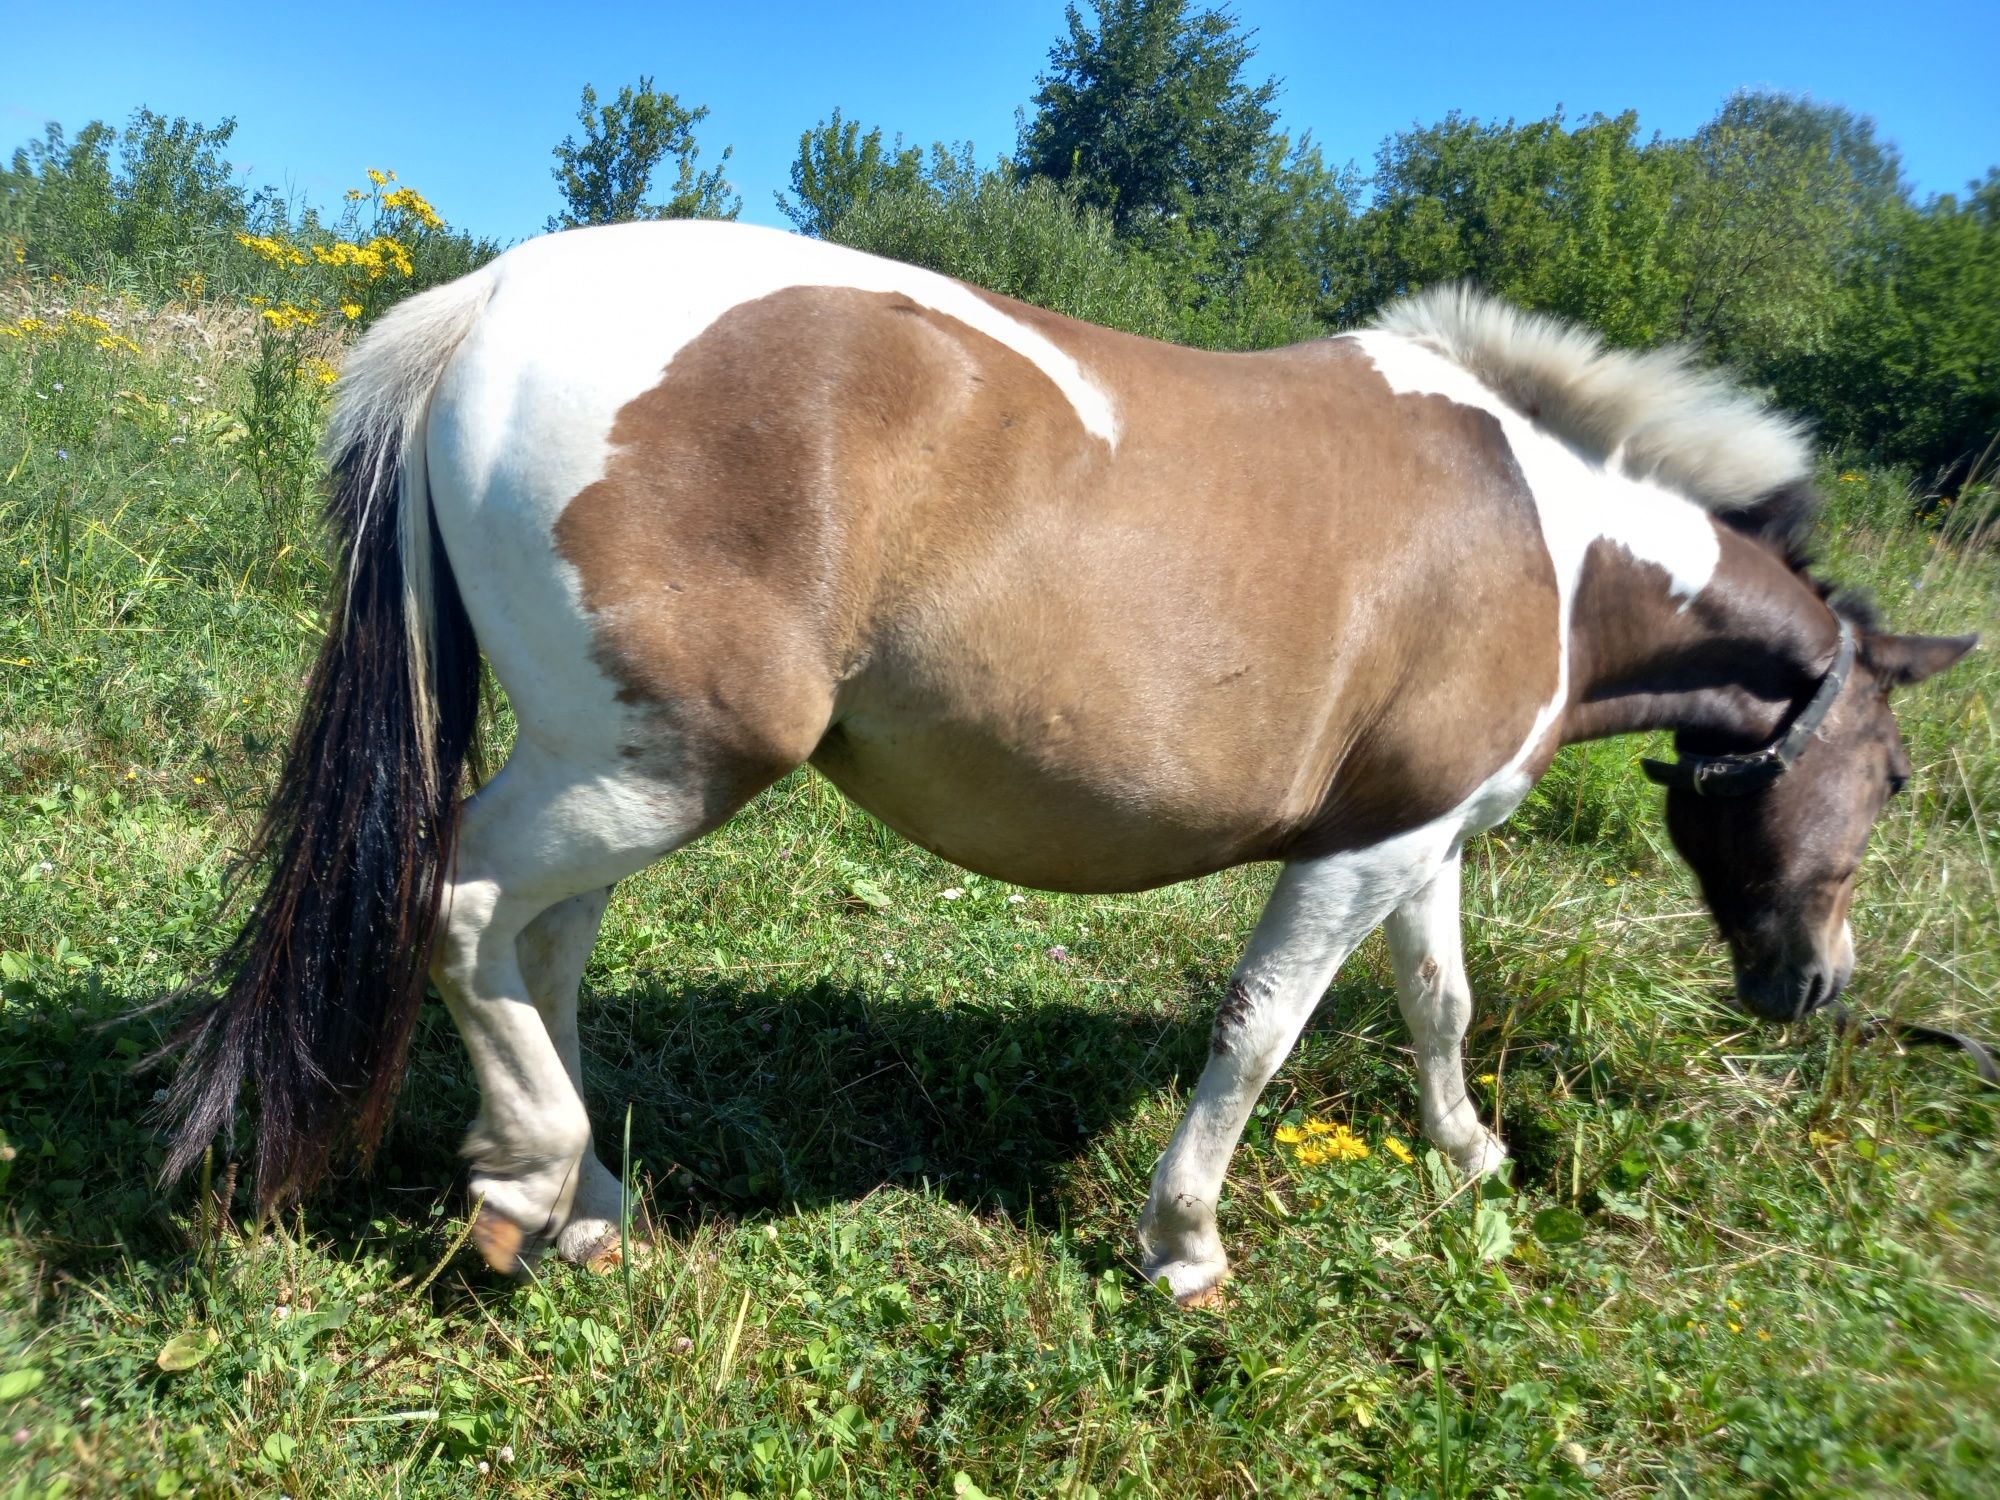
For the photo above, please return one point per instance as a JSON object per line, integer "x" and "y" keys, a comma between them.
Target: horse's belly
{"x": 1037, "y": 816}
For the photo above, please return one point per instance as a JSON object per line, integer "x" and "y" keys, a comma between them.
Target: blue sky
{"x": 464, "y": 102}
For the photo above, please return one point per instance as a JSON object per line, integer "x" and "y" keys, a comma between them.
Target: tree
{"x": 838, "y": 167}
{"x": 1565, "y": 218}
{"x": 1910, "y": 369}
{"x": 1148, "y": 117}
{"x": 175, "y": 186}
{"x": 1780, "y": 195}
{"x": 607, "y": 178}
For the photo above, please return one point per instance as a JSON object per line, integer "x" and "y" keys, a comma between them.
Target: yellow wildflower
{"x": 352, "y": 310}
{"x": 1324, "y": 1141}
{"x": 286, "y": 316}
{"x": 275, "y": 250}
{"x": 1489, "y": 1077}
{"x": 1398, "y": 1150}
{"x": 408, "y": 200}
{"x": 29, "y": 325}
{"x": 199, "y": 780}
{"x": 1289, "y": 1135}
{"x": 378, "y": 178}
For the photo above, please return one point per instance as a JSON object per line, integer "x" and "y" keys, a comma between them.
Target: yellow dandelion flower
{"x": 1489, "y": 1077}
{"x": 1344, "y": 1145}
{"x": 1289, "y": 1135}
{"x": 1322, "y": 1127}
{"x": 351, "y": 310}
{"x": 1398, "y": 1150}
{"x": 1734, "y": 1326}
{"x": 1763, "y": 1337}
{"x": 1311, "y": 1154}
{"x": 199, "y": 780}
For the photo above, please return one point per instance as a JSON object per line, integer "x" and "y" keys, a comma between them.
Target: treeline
{"x": 1151, "y": 189}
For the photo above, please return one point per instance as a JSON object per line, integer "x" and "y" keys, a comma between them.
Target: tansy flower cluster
{"x": 375, "y": 259}
{"x": 359, "y": 265}
{"x": 81, "y": 324}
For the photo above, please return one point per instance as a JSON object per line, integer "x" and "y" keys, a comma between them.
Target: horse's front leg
{"x": 1319, "y": 910}
{"x": 1425, "y": 947}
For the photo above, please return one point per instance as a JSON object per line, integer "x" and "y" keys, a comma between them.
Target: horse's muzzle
{"x": 1791, "y": 991}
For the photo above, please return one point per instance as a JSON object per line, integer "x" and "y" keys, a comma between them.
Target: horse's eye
{"x": 1897, "y": 783}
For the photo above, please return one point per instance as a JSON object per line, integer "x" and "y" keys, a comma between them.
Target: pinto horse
{"x": 1068, "y": 607}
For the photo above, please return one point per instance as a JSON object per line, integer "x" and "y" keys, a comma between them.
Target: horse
{"x": 1069, "y": 607}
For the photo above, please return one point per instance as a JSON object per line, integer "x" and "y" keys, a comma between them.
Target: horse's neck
{"x": 1723, "y": 668}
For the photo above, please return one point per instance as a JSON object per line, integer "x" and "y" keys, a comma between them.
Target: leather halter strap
{"x": 1752, "y": 770}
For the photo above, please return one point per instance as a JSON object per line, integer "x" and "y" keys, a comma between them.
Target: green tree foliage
{"x": 151, "y": 203}
{"x": 1569, "y": 219}
{"x": 607, "y": 178}
{"x": 1148, "y": 116}
{"x": 838, "y": 167}
{"x": 1779, "y": 196}
{"x": 1909, "y": 370}
{"x": 1024, "y": 239}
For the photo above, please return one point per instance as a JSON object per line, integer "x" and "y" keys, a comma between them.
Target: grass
{"x": 895, "y": 1137}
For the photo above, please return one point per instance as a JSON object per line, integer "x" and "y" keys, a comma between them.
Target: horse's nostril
{"x": 1815, "y": 992}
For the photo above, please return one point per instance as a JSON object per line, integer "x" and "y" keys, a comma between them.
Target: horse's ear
{"x": 1900, "y": 660}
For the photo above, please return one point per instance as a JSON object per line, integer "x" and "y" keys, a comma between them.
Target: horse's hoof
{"x": 498, "y": 1241}
{"x": 1211, "y": 1296}
{"x": 1191, "y": 1283}
{"x": 615, "y": 1254}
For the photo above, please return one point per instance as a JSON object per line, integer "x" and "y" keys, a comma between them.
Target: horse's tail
{"x": 316, "y": 997}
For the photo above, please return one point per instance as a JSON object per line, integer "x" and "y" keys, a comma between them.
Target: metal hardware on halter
{"x": 1753, "y": 770}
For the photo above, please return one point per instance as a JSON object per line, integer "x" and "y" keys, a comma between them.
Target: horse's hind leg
{"x": 554, "y": 950}
{"x": 1425, "y": 947}
{"x": 540, "y": 834}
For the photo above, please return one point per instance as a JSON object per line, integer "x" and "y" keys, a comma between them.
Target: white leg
{"x": 540, "y": 834}
{"x": 554, "y": 949}
{"x": 1318, "y": 912}
{"x": 1424, "y": 944}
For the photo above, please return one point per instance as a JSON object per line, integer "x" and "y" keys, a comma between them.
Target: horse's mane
{"x": 1655, "y": 415}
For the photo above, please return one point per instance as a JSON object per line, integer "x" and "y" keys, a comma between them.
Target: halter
{"x": 1753, "y": 770}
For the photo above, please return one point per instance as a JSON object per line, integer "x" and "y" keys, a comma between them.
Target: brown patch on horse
{"x": 1290, "y": 613}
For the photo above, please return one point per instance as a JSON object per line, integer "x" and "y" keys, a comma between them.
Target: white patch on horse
{"x": 1578, "y": 500}
{"x": 576, "y": 327}
{"x": 1318, "y": 913}
{"x": 687, "y": 275}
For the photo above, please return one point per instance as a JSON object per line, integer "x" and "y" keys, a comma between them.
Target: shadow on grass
{"x": 741, "y": 1099}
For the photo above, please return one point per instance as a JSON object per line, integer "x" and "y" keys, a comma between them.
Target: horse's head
{"x": 1775, "y": 835}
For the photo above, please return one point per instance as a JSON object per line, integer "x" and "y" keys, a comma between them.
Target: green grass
{"x": 895, "y": 1142}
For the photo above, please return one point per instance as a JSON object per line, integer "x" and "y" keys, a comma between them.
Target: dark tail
{"x": 314, "y": 1001}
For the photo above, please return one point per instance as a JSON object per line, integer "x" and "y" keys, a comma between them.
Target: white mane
{"x": 1655, "y": 415}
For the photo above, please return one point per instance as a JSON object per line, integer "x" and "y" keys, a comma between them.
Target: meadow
{"x": 892, "y": 1123}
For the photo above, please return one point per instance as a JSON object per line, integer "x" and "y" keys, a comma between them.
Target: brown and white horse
{"x": 1071, "y": 608}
